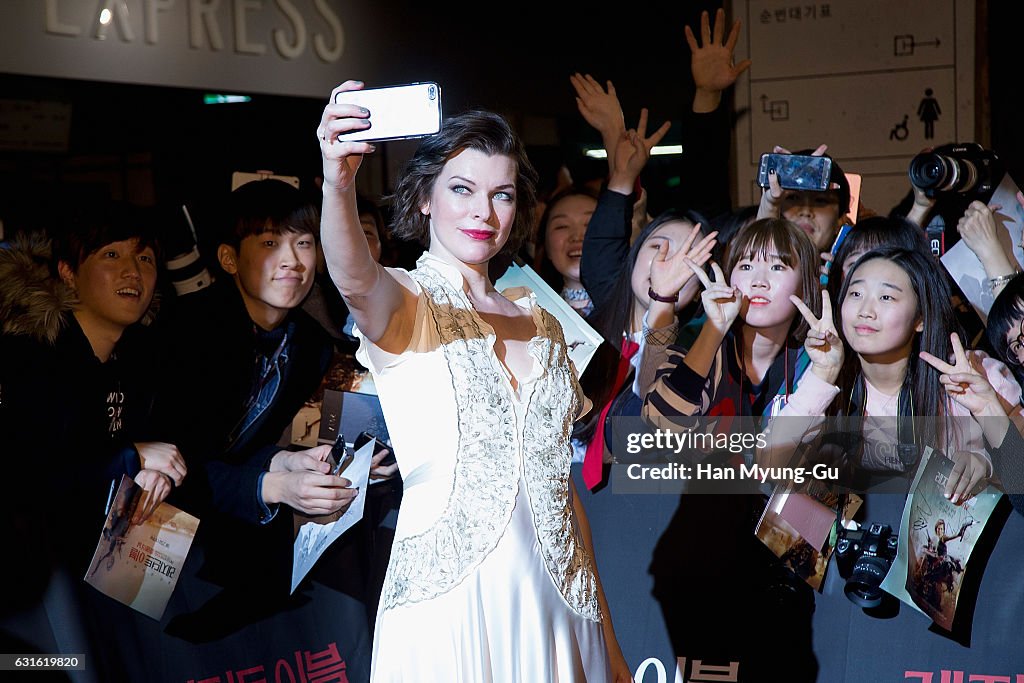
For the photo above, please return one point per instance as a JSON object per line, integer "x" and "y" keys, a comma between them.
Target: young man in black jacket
{"x": 75, "y": 397}
{"x": 240, "y": 359}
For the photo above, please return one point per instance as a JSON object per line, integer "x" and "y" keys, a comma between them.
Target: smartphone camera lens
{"x": 432, "y": 92}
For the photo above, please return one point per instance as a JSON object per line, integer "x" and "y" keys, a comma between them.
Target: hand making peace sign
{"x": 634, "y": 147}
{"x": 973, "y": 391}
{"x": 721, "y": 300}
{"x": 962, "y": 381}
{"x": 822, "y": 344}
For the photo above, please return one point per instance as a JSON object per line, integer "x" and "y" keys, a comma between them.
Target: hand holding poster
{"x": 964, "y": 265}
{"x": 937, "y": 538}
{"x": 314, "y": 535}
{"x": 941, "y": 538}
{"x": 581, "y": 339}
{"x": 139, "y": 564}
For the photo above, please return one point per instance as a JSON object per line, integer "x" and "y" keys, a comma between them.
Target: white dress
{"x": 489, "y": 579}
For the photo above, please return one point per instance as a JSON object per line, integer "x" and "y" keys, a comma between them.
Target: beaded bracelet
{"x": 663, "y": 299}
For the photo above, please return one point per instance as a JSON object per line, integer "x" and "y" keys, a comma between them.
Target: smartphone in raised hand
{"x": 796, "y": 171}
{"x": 396, "y": 112}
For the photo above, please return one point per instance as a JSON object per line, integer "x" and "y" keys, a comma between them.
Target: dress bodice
{"x": 466, "y": 442}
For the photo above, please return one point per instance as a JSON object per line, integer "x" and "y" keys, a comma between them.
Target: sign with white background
{"x": 877, "y": 81}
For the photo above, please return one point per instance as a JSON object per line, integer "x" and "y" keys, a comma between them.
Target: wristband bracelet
{"x": 663, "y": 299}
{"x": 1001, "y": 280}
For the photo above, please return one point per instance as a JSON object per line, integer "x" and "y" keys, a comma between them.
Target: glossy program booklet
{"x": 581, "y": 339}
{"x": 314, "y": 534}
{"x": 799, "y": 526}
{"x": 139, "y": 564}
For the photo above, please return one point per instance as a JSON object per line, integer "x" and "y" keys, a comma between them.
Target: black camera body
{"x": 863, "y": 557}
{"x": 963, "y": 168}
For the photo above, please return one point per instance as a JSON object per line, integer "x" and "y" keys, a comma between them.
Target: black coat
{"x": 67, "y": 423}
{"x": 210, "y": 347}
{"x": 209, "y": 351}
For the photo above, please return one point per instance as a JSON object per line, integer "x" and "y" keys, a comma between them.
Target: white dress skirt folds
{"x": 489, "y": 578}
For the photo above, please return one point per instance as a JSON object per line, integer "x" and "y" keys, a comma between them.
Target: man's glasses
{"x": 1014, "y": 349}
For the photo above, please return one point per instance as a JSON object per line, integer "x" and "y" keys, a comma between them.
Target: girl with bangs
{"x": 873, "y": 233}
{"x": 746, "y": 352}
{"x": 899, "y": 341}
{"x": 1005, "y": 328}
{"x": 744, "y": 360}
{"x": 612, "y": 378}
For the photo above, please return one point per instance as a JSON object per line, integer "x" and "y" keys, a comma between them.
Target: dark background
{"x": 163, "y": 145}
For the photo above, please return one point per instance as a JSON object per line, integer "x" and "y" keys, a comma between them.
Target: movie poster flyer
{"x": 941, "y": 537}
{"x": 139, "y": 564}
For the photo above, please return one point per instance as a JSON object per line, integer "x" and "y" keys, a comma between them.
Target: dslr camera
{"x": 963, "y": 168}
{"x": 863, "y": 557}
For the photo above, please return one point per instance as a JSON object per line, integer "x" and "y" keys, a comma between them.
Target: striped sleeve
{"x": 678, "y": 390}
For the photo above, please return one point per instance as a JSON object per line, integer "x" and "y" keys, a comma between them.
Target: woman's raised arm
{"x": 383, "y": 308}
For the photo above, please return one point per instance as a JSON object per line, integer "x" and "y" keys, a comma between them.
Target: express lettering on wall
{"x": 296, "y": 27}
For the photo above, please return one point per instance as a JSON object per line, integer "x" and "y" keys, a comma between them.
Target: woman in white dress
{"x": 492, "y": 575}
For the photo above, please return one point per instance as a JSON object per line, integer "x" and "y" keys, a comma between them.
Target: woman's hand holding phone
{"x": 342, "y": 159}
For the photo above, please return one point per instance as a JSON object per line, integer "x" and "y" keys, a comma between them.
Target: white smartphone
{"x": 396, "y": 112}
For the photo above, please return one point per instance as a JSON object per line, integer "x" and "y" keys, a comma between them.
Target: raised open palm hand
{"x": 712, "y": 62}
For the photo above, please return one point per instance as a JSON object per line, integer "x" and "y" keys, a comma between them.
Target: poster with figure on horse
{"x": 941, "y": 536}
{"x": 138, "y": 562}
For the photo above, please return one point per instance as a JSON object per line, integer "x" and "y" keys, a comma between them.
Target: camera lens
{"x": 863, "y": 588}
{"x": 431, "y": 92}
{"x": 967, "y": 177}
{"x": 931, "y": 171}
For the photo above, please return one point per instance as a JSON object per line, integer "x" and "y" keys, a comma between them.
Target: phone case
{"x": 796, "y": 171}
{"x": 397, "y": 112}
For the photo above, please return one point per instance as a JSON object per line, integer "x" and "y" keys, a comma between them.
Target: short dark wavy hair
{"x": 266, "y": 205}
{"x": 480, "y": 130}
{"x": 87, "y": 228}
